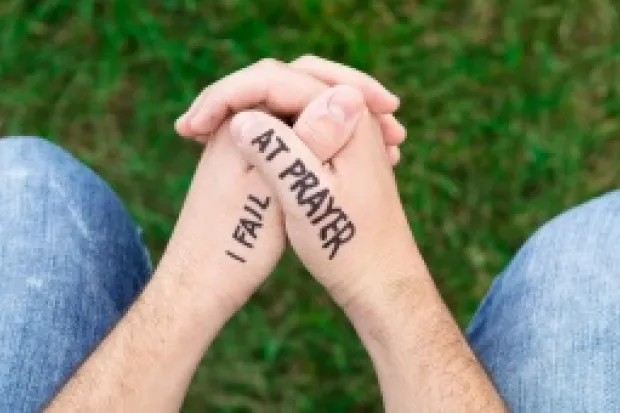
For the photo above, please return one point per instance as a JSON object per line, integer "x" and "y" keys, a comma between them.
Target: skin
{"x": 377, "y": 276}
{"x": 422, "y": 360}
{"x": 270, "y": 83}
{"x": 146, "y": 362}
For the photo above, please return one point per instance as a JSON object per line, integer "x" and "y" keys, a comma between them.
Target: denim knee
{"x": 71, "y": 263}
{"x": 575, "y": 256}
{"x": 547, "y": 331}
{"x": 33, "y": 169}
{"x": 572, "y": 262}
{"x": 48, "y": 196}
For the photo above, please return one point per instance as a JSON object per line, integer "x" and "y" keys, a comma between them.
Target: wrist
{"x": 200, "y": 278}
{"x": 392, "y": 302}
{"x": 200, "y": 263}
{"x": 181, "y": 284}
{"x": 418, "y": 350}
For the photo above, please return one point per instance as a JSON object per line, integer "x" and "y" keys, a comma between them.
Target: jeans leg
{"x": 548, "y": 330}
{"x": 71, "y": 262}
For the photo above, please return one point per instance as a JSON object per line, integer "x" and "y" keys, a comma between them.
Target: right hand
{"x": 345, "y": 221}
{"x": 208, "y": 233}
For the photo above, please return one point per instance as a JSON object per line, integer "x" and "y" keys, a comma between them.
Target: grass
{"x": 512, "y": 109}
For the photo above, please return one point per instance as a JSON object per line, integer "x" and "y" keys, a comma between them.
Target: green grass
{"x": 512, "y": 108}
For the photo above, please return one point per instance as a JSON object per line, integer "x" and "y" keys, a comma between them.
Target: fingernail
{"x": 179, "y": 122}
{"x": 240, "y": 125}
{"x": 401, "y": 131}
{"x": 195, "y": 122}
{"x": 183, "y": 129}
{"x": 395, "y": 100}
{"x": 394, "y": 155}
{"x": 344, "y": 105}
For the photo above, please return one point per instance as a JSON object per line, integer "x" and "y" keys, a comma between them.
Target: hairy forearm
{"x": 422, "y": 359}
{"x": 146, "y": 362}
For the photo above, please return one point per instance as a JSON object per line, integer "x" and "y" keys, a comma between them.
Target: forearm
{"x": 422, "y": 360}
{"x": 147, "y": 361}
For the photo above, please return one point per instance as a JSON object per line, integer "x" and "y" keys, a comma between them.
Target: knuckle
{"x": 306, "y": 59}
{"x": 269, "y": 63}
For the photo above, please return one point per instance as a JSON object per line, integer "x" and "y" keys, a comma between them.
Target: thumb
{"x": 304, "y": 187}
{"x": 285, "y": 162}
{"x": 328, "y": 122}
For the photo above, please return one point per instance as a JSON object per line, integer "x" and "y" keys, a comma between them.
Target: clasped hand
{"x": 325, "y": 183}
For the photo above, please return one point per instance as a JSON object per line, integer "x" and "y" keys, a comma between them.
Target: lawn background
{"x": 512, "y": 109}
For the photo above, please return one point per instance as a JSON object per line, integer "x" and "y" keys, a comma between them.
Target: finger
{"x": 335, "y": 73}
{"x": 283, "y": 90}
{"x": 365, "y": 147}
{"x": 182, "y": 124}
{"x": 247, "y": 88}
{"x": 284, "y": 161}
{"x": 393, "y": 153}
{"x": 332, "y": 73}
{"x": 394, "y": 133}
{"x": 328, "y": 122}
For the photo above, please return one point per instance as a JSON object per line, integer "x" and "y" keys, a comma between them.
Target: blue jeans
{"x": 71, "y": 262}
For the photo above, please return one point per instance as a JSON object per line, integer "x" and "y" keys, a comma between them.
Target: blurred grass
{"x": 512, "y": 109}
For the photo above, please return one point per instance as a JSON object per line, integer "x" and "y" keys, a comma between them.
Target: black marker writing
{"x": 264, "y": 140}
{"x": 263, "y": 205}
{"x": 253, "y": 212}
{"x": 235, "y": 256}
{"x": 246, "y": 231}
{"x": 336, "y": 227}
{"x": 241, "y": 237}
